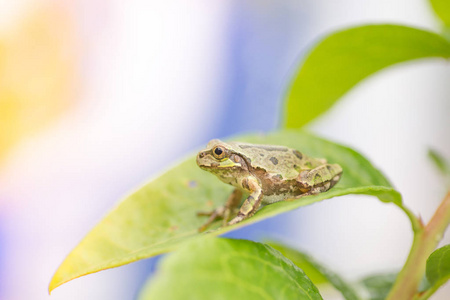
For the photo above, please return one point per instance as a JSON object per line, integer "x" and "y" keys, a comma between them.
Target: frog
{"x": 267, "y": 173}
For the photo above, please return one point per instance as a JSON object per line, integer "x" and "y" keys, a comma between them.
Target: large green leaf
{"x": 344, "y": 58}
{"x": 161, "y": 215}
{"x": 216, "y": 268}
{"x": 442, "y": 9}
{"x": 316, "y": 271}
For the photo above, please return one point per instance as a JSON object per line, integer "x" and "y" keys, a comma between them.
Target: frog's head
{"x": 221, "y": 159}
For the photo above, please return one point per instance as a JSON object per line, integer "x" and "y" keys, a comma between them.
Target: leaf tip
{"x": 55, "y": 282}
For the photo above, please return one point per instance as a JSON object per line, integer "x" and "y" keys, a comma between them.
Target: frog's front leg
{"x": 252, "y": 203}
{"x": 223, "y": 211}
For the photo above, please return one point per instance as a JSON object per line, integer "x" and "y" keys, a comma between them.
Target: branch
{"x": 425, "y": 241}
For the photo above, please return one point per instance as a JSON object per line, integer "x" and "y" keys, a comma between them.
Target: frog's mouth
{"x": 227, "y": 164}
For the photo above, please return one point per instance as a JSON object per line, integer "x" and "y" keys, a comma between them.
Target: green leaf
{"x": 216, "y": 268}
{"x": 161, "y": 215}
{"x": 438, "y": 267}
{"x": 315, "y": 271}
{"x": 441, "y": 164}
{"x": 344, "y": 58}
{"x": 439, "y": 161}
{"x": 442, "y": 9}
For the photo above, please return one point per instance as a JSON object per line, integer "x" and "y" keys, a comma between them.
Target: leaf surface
{"x": 161, "y": 215}
{"x": 216, "y": 268}
{"x": 316, "y": 271}
{"x": 344, "y": 58}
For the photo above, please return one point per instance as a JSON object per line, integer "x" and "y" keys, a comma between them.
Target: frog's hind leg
{"x": 320, "y": 179}
{"x": 222, "y": 211}
{"x": 335, "y": 180}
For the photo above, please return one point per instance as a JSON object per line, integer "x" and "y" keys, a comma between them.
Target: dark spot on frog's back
{"x": 278, "y": 177}
{"x": 274, "y": 160}
{"x": 317, "y": 177}
{"x": 298, "y": 154}
{"x": 329, "y": 168}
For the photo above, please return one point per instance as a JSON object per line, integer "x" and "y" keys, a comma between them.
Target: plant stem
{"x": 424, "y": 242}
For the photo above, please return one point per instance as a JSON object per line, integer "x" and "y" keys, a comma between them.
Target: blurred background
{"x": 97, "y": 96}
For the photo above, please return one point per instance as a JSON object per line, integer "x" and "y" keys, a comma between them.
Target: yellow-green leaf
{"x": 161, "y": 215}
{"x": 343, "y": 59}
{"x": 442, "y": 9}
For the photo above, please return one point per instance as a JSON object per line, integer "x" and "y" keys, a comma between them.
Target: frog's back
{"x": 274, "y": 159}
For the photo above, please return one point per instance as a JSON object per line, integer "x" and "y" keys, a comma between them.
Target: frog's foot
{"x": 222, "y": 212}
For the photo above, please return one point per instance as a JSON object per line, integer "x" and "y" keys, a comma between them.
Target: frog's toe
{"x": 236, "y": 220}
{"x": 207, "y": 224}
{"x": 204, "y": 213}
{"x": 220, "y": 212}
{"x": 203, "y": 228}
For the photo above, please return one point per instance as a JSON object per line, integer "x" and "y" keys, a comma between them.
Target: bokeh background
{"x": 97, "y": 96}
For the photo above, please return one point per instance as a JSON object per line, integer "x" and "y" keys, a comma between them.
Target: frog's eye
{"x": 219, "y": 152}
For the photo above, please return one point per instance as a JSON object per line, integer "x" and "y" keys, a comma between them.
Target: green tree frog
{"x": 268, "y": 173}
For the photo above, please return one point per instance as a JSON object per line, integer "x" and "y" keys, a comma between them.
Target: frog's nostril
{"x": 200, "y": 158}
